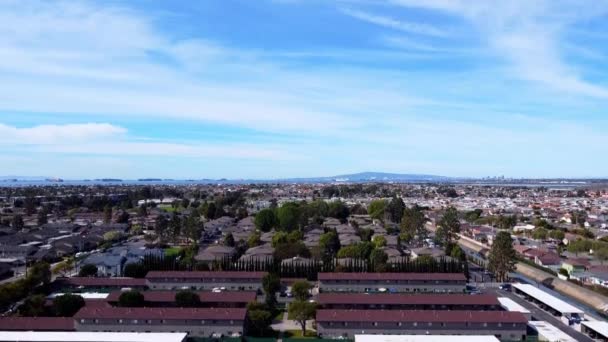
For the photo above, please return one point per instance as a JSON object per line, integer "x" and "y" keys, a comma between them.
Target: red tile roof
{"x": 205, "y": 296}
{"x": 205, "y": 274}
{"x": 37, "y": 323}
{"x": 158, "y": 313}
{"x": 392, "y": 276}
{"x": 406, "y": 299}
{"x": 455, "y": 316}
{"x": 105, "y": 282}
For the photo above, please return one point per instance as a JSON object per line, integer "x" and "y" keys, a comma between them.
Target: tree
{"x": 502, "y": 257}
{"x": 378, "y": 258}
{"x": 134, "y": 270}
{"x": 175, "y": 225}
{"x": 161, "y": 228}
{"x": 301, "y": 311}
{"x": 260, "y": 318}
{"x": 40, "y": 273}
{"x": 265, "y": 220}
{"x": 88, "y": 270}
{"x": 17, "y": 222}
{"x": 131, "y": 299}
{"x": 379, "y": 241}
{"x": 107, "y": 214}
{"x": 377, "y": 208}
{"x": 395, "y": 209}
{"x": 365, "y": 234}
{"x": 229, "y": 240}
{"x": 413, "y": 223}
{"x": 540, "y": 234}
{"x": 271, "y": 283}
{"x": 33, "y": 306}
{"x": 255, "y": 239}
{"x": 63, "y": 267}
{"x": 339, "y": 210}
{"x": 187, "y": 299}
{"x": 601, "y": 254}
{"x": 564, "y": 272}
{"x": 448, "y": 227}
{"x": 473, "y": 215}
{"x": 300, "y": 290}
{"x": 289, "y": 216}
{"x": 330, "y": 244}
{"x": 42, "y": 217}
{"x": 557, "y": 234}
{"x": 67, "y": 305}
{"x": 123, "y": 217}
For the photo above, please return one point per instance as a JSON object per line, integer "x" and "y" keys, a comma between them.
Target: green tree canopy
{"x": 265, "y": 220}
{"x": 448, "y": 227}
{"x": 67, "y": 305}
{"x": 339, "y": 210}
{"x": 301, "y": 311}
{"x": 131, "y": 299}
{"x": 289, "y": 216}
{"x": 377, "y": 208}
{"x": 33, "y": 306}
{"x": 88, "y": 270}
{"x": 187, "y": 299}
{"x": 395, "y": 209}
{"x": 413, "y": 223}
{"x": 300, "y": 289}
{"x": 502, "y": 257}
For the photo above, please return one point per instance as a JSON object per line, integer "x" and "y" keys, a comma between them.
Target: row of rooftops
{"x": 204, "y": 296}
{"x": 406, "y": 299}
{"x": 195, "y": 275}
{"x": 432, "y": 316}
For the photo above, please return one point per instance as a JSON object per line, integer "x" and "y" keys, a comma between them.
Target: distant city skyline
{"x": 271, "y": 89}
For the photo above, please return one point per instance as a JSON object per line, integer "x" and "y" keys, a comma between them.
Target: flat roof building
{"x": 399, "y": 301}
{"x": 550, "y": 333}
{"x": 598, "y": 330}
{"x": 208, "y": 299}
{"x": 195, "y": 321}
{"x": 424, "y": 338}
{"x": 77, "y": 336}
{"x": 348, "y": 323}
{"x": 510, "y": 305}
{"x": 203, "y": 280}
{"x": 547, "y": 301}
{"x": 37, "y": 323}
{"x": 392, "y": 282}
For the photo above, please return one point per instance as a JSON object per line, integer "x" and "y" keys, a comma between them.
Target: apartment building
{"x": 203, "y": 280}
{"x": 392, "y": 282}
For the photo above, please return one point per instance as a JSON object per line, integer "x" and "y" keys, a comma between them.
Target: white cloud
{"x": 59, "y": 134}
{"x": 529, "y": 35}
{"x": 400, "y": 25}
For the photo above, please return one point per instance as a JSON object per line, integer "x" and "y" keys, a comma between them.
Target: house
{"x": 216, "y": 252}
{"x": 16, "y": 252}
{"x": 548, "y": 259}
{"x": 575, "y": 265}
{"x": 263, "y": 252}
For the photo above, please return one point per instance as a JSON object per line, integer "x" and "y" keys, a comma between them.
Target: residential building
{"x": 392, "y": 282}
{"x": 204, "y": 280}
{"x": 348, "y": 323}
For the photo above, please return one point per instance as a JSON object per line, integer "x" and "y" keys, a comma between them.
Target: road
{"x": 541, "y": 315}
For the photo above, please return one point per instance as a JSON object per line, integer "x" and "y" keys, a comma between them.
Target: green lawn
{"x": 298, "y": 334}
{"x": 169, "y": 208}
{"x": 172, "y": 251}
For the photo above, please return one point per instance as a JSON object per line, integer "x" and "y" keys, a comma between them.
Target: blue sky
{"x": 286, "y": 88}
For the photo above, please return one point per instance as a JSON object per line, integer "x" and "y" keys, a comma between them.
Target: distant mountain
{"x": 24, "y": 178}
{"x": 370, "y": 177}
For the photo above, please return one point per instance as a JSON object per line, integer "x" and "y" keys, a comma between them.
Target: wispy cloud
{"x": 529, "y": 34}
{"x": 400, "y": 25}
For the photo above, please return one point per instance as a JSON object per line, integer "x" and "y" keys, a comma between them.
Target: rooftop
{"x": 78, "y": 336}
{"x": 424, "y": 338}
{"x": 37, "y": 323}
{"x": 204, "y": 274}
{"x": 553, "y": 302}
{"x": 114, "y": 282}
{"x": 600, "y": 327}
{"x": 158, "y": 313}
{"x": 169, "y": 296}
{"x": 392, "y": 276}
{"x": 404, "y": 299}
{"x": 455, "y": 316}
